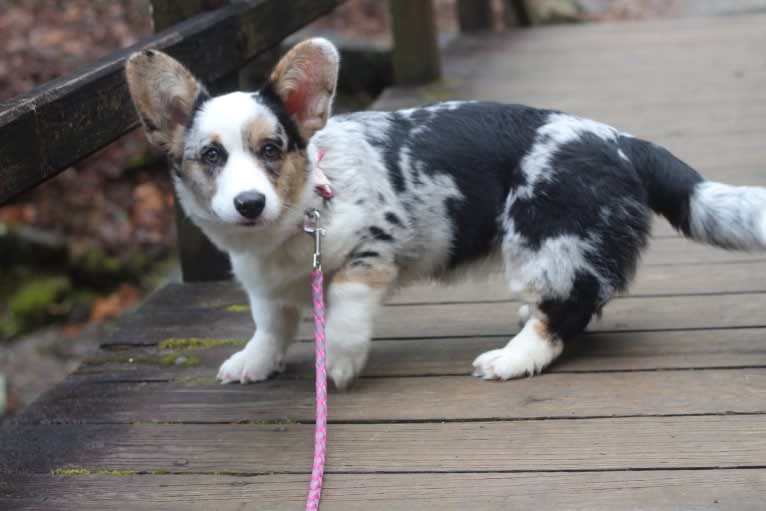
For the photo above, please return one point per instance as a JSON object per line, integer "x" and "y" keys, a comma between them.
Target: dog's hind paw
{"x": 502, "y": 364}
{"x": 248, "y": 366}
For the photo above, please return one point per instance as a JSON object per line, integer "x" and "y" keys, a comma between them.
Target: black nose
{"x": 250, "y": 204}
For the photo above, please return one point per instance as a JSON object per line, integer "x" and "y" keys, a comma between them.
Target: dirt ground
{"x": 31, "y": 364}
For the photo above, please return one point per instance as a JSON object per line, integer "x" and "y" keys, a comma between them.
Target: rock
{"x": 559, "y": 11}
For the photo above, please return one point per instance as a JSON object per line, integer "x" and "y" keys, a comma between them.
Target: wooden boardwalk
{"x": 661, "y": 405}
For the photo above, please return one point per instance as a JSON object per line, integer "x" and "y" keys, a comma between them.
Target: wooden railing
{"x": 61, "y": 122}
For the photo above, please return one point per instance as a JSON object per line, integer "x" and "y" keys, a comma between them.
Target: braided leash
{"x": 311, "y": 226}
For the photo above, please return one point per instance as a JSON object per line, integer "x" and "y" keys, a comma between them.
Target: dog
{"x": 562, "y": 204}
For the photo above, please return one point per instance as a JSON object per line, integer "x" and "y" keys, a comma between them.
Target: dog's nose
{"x": 250, "y": 204}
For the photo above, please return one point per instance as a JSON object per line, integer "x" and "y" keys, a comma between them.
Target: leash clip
{"x": 311, "y": 226}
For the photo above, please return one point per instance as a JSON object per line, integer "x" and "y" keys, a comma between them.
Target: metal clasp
{"x": 311, "y": 226}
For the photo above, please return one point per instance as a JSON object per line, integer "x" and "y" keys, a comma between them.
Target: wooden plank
{"x": 586, "y": 444}
{"x": 474, "y": 15}
{"x": 412, "y": 399}
{"x": 660, "y": 490}
{"x": 630, "y": 351}
{"x": 651, "y": 280}
{"x": 67, "y": 119}
{"x": 151, "y": 326}
{"x": 415, "y": 54}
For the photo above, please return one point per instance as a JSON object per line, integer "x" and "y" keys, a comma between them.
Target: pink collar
{"x": 322, "y": 184}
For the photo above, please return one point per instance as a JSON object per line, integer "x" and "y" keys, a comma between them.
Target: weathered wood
{"x": 474, "y": 15}
{"x": 667, "y": 280}
{"x": 553, "y": 395}
{"x": 200, "y": 260}
{"x": 632, "y": 351}
{"x": 148, "y": 327}
{"x": 416, "y": 48}
{"x": 659, "y": 490}
{"x": 63, "y": 121}
{"x": 587, "y": 444}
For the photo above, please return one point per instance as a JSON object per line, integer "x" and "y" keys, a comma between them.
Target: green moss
{"x": 115, "y": 473}
{"x": 238, "y": 308}
{"x": 176, "y": 358}
{"x": 180, "y": 360}
{"x": 34, "y": 302}
{"x": 191, "y": 343}
{"x": 202, "y": 380}
{"x": 96, "y": 261}
{"x": 71, "y": 472}
{"x": 441, "y": 90}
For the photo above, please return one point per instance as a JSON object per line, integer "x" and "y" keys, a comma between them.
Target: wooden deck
{"x": 661, "y": 405}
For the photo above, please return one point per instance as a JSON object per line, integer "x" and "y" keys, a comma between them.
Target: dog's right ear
{"x": 165, "y": 94}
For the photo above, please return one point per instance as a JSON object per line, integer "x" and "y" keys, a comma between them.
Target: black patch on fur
{"x": 175, "y": 163}
{"x": 595, "y": 195}
{"x": 268, "y": 97}
{"x": 392, "y": 218}
{"x": 669, "y": 181}
{"x": 199, "y": 101}
{"x": 359, "y": 202}
{"x": 380, "y": 234}
{"x": 364, "y": 254}
{"x": 394, "y": 139}
{"x": 569, "y": 317}
{"x": 479, "y": 145}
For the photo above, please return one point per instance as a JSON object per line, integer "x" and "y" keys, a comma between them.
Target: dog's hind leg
{"x": 354, "y": 296}
{"x": 541, "y": 340}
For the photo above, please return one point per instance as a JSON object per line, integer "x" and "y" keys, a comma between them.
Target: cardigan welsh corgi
{"x": 562, "y": 204}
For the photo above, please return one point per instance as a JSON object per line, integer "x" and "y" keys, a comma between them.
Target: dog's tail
{"x": 716, "y": 213}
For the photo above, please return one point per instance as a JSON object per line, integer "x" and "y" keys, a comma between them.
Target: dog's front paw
{"x": 344, "y": 366}
{"x": 248, "y": 366}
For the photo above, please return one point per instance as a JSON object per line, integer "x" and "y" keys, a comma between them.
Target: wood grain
{"x": 413, "y": 399}
{"x": 660, "y": 490}
{"x": 151, "y": 326}
{"x": 523, "y": 446}
{"x": 670, "y": 280}
{"x": 623, "y": 351}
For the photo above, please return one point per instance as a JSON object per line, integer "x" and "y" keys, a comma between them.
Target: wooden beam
{"x": 200, "y": 260}
{"x": 474, "y": 15}
{"x": 518, "y": 13}
{"x": 59, "y": 123}
{"x": 416, "y": 49}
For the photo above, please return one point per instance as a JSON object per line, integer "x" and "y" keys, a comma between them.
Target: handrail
{"x": 57, "y": 124}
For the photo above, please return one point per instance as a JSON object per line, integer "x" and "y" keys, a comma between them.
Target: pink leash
{"x": 311, "y": 226}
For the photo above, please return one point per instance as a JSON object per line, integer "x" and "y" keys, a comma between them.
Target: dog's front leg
{"x": 354, "y": 296}
{"x": 264, "y": 354}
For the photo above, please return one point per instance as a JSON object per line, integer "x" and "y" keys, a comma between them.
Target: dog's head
{"x": 238, "y": 159}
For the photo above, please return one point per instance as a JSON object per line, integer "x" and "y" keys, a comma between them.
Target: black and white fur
{"x": 562, "y": 204}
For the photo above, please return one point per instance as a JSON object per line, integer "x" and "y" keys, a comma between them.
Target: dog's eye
{"x": 212, "y": 156}
{"x": 270, "y": 151}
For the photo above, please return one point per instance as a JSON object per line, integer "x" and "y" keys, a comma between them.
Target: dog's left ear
{"x": 305, "y": 79}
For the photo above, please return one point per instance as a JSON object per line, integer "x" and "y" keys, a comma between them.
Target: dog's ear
{"x": 305, "y": 79}
{"x": 165, "y": 94}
